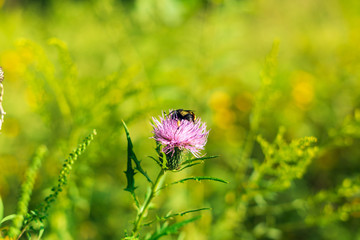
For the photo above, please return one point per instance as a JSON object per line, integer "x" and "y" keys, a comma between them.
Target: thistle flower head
{"x": 176, "y": 135}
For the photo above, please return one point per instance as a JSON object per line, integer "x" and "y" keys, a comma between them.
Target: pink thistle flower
{"x": 177, "y": 135}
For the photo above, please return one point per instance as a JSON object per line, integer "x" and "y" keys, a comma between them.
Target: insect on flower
{"x": 181, "y": 114}
{"x": 177, "y": 132}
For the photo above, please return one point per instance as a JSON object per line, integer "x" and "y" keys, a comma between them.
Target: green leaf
{"x": 196, "y": 179}
{"x": 172, "y": 229}
{"x": 175, "y": 214}
{"x": 198, "y": 159}
{"x": 130, "y": 177}
{"x": 130, "y": 172}
{"x": 183, "y": 213}
{"x": 189, "y": 211}
{"x": 41, "y": 232}
{"x": 164, "y": 161}
{"x": 193, "y": 162}
{"x": 7, "y": 218}
{"x": 157, "y": 161}
{"x": 188, "y": 165}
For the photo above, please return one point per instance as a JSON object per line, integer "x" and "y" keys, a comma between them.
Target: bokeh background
{"x": 72, "y": 66}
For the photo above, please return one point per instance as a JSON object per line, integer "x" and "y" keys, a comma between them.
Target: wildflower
{"x": 1, "y": 75}
{"x": 177, "y": 135}
{"x": 2, "y": 112}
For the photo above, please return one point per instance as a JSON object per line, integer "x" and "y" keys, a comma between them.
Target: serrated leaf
{"x": 132, "y": 156}
{"x": 130, "y": 172}
{"x": 172, "y": 229}
{"x": 130, "y": 177}
{"x": 196, "y": 179}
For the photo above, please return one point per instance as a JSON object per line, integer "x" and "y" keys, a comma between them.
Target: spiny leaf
{"x": 131, "y": 155}
{"x": 172, "y": 229}
{"x": 196, "y": 179}
{"x": 130, "y": 172}
{"x": 130, "y": 178}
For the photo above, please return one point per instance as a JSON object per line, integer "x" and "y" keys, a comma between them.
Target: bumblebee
{"x": 181, "y": 114}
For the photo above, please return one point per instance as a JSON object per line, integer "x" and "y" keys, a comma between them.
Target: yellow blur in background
{"x": 72, "y": 66}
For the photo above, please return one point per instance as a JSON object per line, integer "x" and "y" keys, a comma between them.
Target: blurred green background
{"x": 72, "y": 66}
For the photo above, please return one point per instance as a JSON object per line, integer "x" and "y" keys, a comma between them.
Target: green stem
{"x": 145, "y": 206}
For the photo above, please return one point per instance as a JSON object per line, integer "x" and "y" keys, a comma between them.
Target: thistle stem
{"x": 146, "y": 204}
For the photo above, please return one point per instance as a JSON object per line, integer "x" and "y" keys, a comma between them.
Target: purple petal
{"x": 188, "y": 135}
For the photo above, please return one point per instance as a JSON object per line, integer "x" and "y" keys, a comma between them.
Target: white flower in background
{"x": 2, "y": 112}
